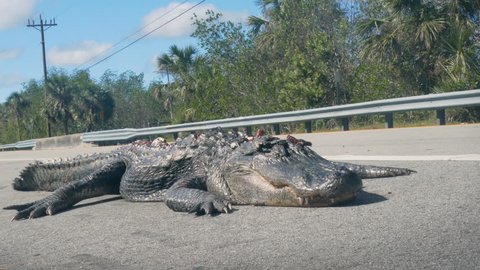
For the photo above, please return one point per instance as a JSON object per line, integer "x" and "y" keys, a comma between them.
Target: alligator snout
{"x": 337, "y": 188}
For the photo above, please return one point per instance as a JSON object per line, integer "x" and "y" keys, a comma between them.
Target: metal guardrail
{"x": 388, "y": 106}
{"x": 19, "y": 145}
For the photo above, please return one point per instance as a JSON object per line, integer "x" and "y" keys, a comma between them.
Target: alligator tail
{"x": 50, "y": 175}
{"x": 367, "y": 171}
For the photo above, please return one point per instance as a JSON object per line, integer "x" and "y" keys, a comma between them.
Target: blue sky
{"x": 89, "y": 28}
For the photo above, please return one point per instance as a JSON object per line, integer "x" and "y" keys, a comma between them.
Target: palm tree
{"x": 91, "y": 105}
{"x": 179, "y": 62}
{"x": 61, "y": 97}
{"x": 263, "y": 27}
{"x": 181, "y": 65}
{"x": 461, "y": 43}
{"x": 271, "y": 10}
{"x": 165, "y": 63}
{"x": 17, "y": 104}
{"x": 422, "y": 35}
{"x": 459, "y": 55}
{"x": 386, "y": 37}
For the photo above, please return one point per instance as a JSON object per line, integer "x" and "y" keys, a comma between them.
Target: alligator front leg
{"x": 186, "y": 196}
{"x": 101, "y": 182}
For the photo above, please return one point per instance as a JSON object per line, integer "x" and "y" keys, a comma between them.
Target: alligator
{"x": 202, "y": 173}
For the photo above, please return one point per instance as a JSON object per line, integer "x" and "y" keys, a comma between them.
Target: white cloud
{"x": 77, "y": 54}
{"x": 182, "y": 26}
{"x": 15, "y": 12}
{"x": 9, "y": 80}
{"x": 9, "y": 54}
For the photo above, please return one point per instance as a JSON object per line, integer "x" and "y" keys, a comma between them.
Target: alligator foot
{"x": 47, "y": 206}
{"x": 211, "y": 206}
{"x": 196, "y": 201}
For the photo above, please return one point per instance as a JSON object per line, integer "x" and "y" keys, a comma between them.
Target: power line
{"x": 133, "y": 34}
{"x": 145, "y": 26}
{"x": 65, "y": 10}
{"x": 143, "y": 36}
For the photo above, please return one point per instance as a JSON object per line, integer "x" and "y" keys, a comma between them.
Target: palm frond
{"x": 257, "y": 24}
{"x": 428, "y": 31}
{"x": 370, "y": 26}
{"x": 460, "y": 53}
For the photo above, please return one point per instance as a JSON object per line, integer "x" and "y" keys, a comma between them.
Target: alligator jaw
{"x": 318, "y": 201}
{"x": 290, "y": 197}
{"x": 339, "y": 190}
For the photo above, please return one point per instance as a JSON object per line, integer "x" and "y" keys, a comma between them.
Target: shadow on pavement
{"x": 96, "y": 202}
{"x": 364, "y": 198}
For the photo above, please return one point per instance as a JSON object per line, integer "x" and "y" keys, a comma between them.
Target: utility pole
{"x": 42, "y": 27}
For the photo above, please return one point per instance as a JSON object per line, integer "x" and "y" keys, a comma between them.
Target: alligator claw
{"x": 47, "y": 206}
{"x": 38, "y": 212}
{"x": 227, "y": 209}
{"x": 211, "y": 207}
{"x": 30, "y": 211}
{"x": 20, "y": 215}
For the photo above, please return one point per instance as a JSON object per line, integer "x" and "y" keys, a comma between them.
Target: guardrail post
{"x": 308, "y": 126}
{"x": 389, "y": 120}
{"x": 345, "y": 124}
{"x": 276, "y": 129}
{"x": 175, "y": 135}
{"x": 441, "y": 117}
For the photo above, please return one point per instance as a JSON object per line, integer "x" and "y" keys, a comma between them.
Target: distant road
{"x": 435, "y": 141}
{"x": 428, "y": 220}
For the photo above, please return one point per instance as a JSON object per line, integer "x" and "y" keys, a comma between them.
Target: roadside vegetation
{"x": 297, "y": 55}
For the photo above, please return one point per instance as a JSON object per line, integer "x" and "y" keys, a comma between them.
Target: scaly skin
{"x": 203, "y": 174}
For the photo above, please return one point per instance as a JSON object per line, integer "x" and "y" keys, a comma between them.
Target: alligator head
{"x": 275, "y": 172}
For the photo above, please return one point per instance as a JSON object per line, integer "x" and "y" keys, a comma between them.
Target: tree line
{"x": 298, "y": 54}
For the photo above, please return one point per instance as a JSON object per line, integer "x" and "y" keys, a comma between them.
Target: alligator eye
{"x": 278, "y": 184}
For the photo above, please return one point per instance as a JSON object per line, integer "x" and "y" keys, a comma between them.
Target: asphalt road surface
{"x": 428, "y": 220}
